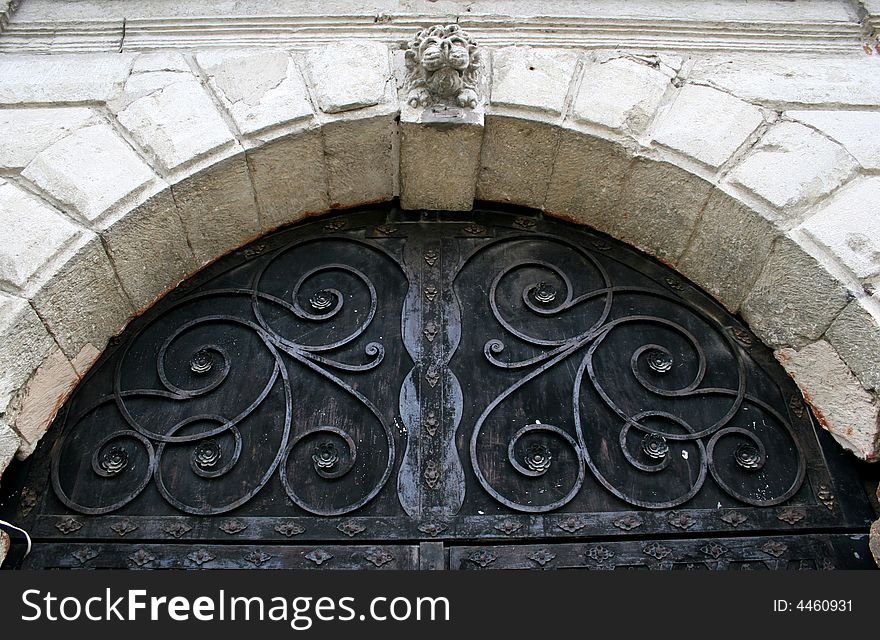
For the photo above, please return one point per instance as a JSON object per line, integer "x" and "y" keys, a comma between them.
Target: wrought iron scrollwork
{"x": 209, "y": 346}
{"x": 583, "y": 374}
{"x": 638, "y": 408}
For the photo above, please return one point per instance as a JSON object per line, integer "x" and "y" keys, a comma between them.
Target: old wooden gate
{"x": 388, "y": 389}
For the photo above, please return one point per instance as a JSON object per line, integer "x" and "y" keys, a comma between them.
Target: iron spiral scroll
{"x": 641, "y": 406}
{"x": 194, "y": 429}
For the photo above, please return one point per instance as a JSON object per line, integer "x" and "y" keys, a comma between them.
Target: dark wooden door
{"x": 390, "y": 389}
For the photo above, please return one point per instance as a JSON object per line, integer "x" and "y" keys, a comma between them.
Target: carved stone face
{"x": 442, "y": 63}
{"x": 439, "y": 52}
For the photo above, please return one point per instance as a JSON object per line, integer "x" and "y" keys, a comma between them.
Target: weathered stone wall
{"x": 755, "y": 177}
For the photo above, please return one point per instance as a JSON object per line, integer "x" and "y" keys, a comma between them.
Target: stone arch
{"x": 141, "y": 169}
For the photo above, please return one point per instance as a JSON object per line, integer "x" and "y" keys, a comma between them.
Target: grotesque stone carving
{"x": 442, "y": 65}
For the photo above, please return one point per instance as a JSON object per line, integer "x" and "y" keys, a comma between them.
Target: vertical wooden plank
{"x": 432, "y": 556}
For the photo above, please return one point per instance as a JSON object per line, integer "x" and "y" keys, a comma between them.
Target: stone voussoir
{"x": 24, "y": 343}
{"x": 81, "y": 301}
{"x": 706, "y": 124}
{"x": 848, "y": 226}
{"x": 5, "y": 543}
{"x": 812, "y": 166}
{"x": 9, "y": 443}
{"x": 855, "y": 130}
{"x": 174, "y": 120}
{"x": 728, "y": 249}
{"x": 34, "y": 233}
{"x": 260, "y": 89}
{"x": 795, "y": 299}
{"x": 41, "y": 399}
{"x": 149, "y": 248}
{"x": 516, "y": 160}
{"x": 531, "y": 78}
{"x": 218, "y": 208}
{"x": 855, "y": 335}
{"x": 874, "y": 541}
{"x": 349, "y": 76}
{"x": 359, "y": 157}
{"x": 839, "y": 402}
{"x": 90, "y": 171}
{"x": 37, "y": 128}
{"x": 587, "y": 178}
{"x": 620, "y": 94}
{"x": 289, "y": 177}
{"x": 658, "y": 208}
{"x": 421, "y": 146}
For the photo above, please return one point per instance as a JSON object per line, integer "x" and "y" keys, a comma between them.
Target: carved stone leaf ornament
{"x": 442, "y": 63}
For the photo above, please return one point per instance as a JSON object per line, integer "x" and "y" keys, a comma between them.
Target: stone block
{"x": 33, "y": 233}
{"x": 82, "y": 302}
{"x": 587, "y": 178}
{"x": 217, "y": 208}
{"x": 706, "y": 124}
{"x": 24, "y": 342}
{"x": 792, "y": 165}
{"x": 516, "y": 161}
{"x": 160, "y": 61}
{"x": 874, "y": 541}
{"x": 89, "y": 171}
{"x": 9, "y": 442}
{"x": 855, "y": 130}
{"x": 728, "y": 249}
{"x": 36, "y": 129}
{"x": 855, "y": 335}
{"x": 149, "y": 249}
{"x": 659, "y": 206}
{"x": 290, "y": 178}
{"x": 41, "y": 399}
{"x": 532, "y": 78}
{"x": 793, "y": 79}
{"x": 795, "y": 298}
{"x": 176, "y": 123}
{"x": 439, "y": 165}
{"x": 260, "y": 89}
{"x": 5, "y": 543}
{"x": 359, "y": 156}
{"x": 620, "y": 94}
{"x": 849, "y": 226}
{"x": 839, "y": 402}
{"x": 349, "y": 75}
{"x": 87, "y": 77}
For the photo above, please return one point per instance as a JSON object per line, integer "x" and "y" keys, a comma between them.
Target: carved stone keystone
{"x": 442, "y": 115}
